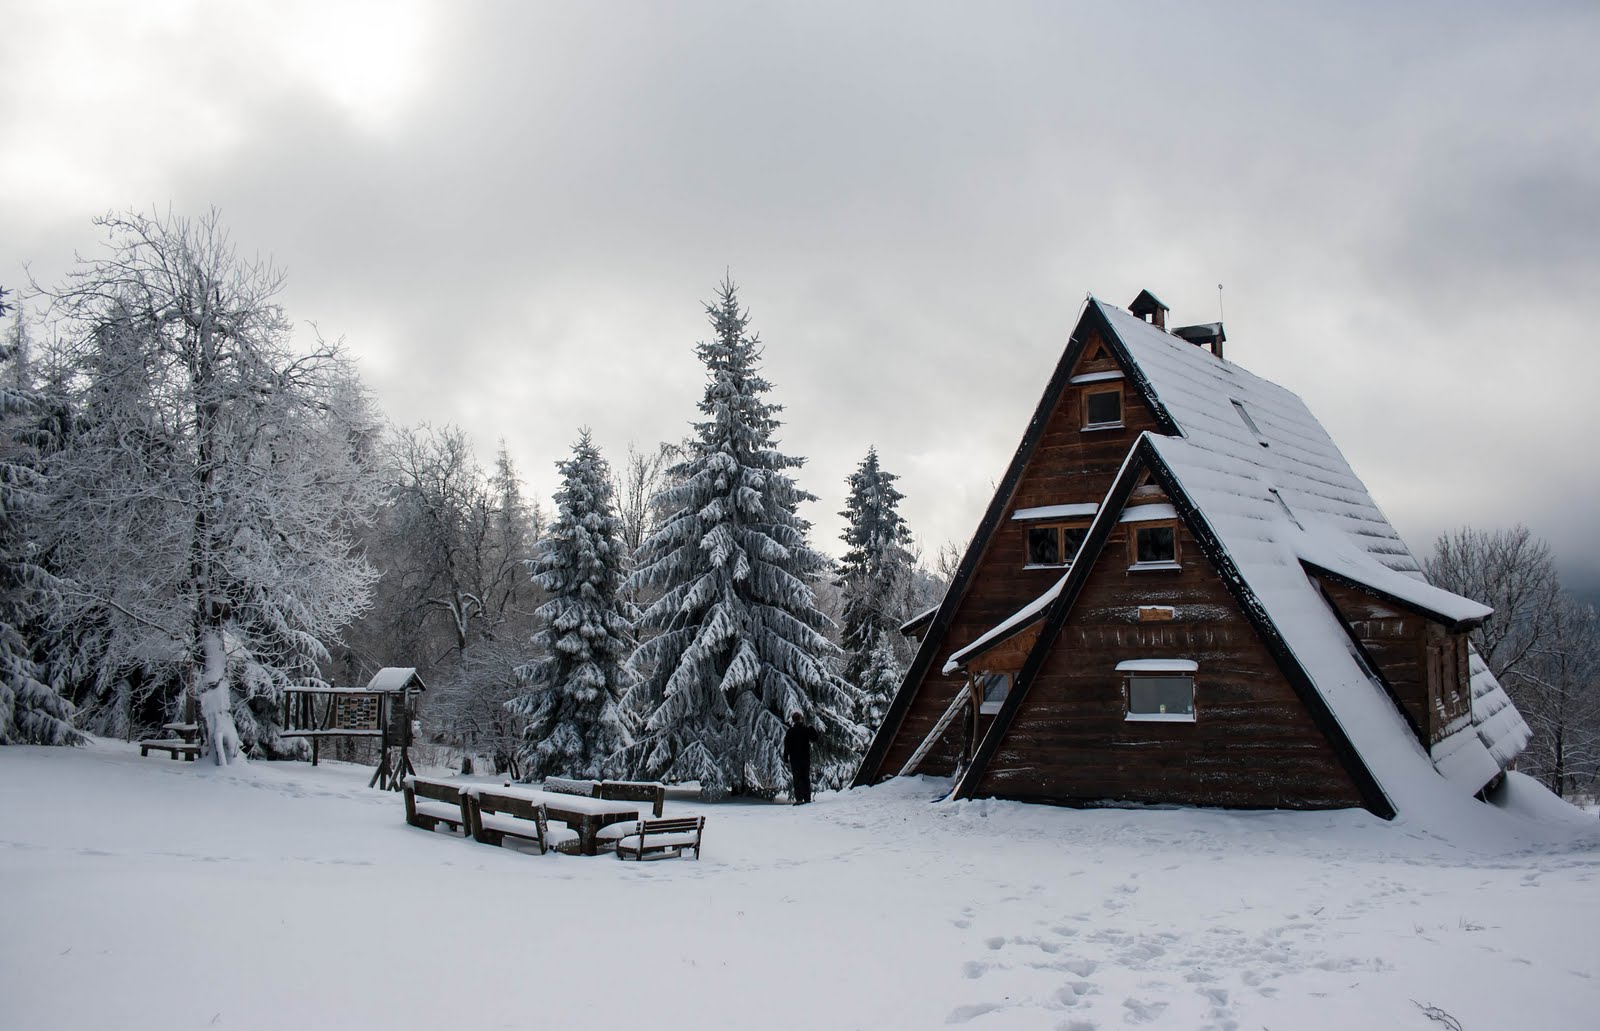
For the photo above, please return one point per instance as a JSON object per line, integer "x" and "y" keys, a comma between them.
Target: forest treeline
{"x": 196, "y": 514}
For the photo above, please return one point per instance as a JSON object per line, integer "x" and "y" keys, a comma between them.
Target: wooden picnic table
{"x": 584, "y": 815}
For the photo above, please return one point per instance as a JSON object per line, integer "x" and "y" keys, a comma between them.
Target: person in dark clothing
{"x": 797, "y": 749}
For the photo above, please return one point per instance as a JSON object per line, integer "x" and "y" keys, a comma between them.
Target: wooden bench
{"x": 496, "y": 817}
{"x": 635, "y": 791}
{"x": 662, "y": 839}
{"x": 568, "y": 786}
{"x": 186, "y": 750}
{"x": 432, "y": 802}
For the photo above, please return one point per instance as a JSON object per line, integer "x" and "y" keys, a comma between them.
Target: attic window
{"x": 1102, "y": 409}
{"x": 1055, "y": 545}
{"x": 993, "y": 688}
{"x": 1153, "y": 545}
{"x": 1244, "y": 416}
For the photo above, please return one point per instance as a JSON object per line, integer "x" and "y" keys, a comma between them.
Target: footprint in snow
{"x": 963, "y": 1014}
{"x": 972, "y": 969}
{"x": 1074, "y": 992}
{"x": 994, "y": 943}
{"x": 1077, "y": 1025}
{"x": 1141, "y": 1012}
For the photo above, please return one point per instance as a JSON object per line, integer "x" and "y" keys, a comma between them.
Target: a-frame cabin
{"x": 1181, "y": 593}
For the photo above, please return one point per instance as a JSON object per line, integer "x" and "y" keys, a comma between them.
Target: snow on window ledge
{"x": 1145, "y": 567}
{"x": 1093, "y": 426}
{"x": 1159, "y": 717}
{"x": 1040, "y": 565}
{"x": 1158, "y": 666}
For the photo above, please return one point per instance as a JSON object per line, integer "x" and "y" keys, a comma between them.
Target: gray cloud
{"x": 915, "y": 198}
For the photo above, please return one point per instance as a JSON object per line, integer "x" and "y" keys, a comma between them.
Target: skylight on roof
{"x": 1244, "y": 416}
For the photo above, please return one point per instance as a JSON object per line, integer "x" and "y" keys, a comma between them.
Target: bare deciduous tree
{"x": 204, "y": 502}
{"x": 1558, "y": 693}
{"x": 1541, "y": 644}
{"x": 1512, "y": 572}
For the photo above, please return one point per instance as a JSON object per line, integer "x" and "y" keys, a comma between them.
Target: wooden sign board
{"x": 356, "y": 712}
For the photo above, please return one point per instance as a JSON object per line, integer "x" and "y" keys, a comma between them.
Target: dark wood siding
{"x": 1394, "y": 640}
{"x": 1424, "y": 664}
{"x": 1252, "y": 743}
{"x": 1069, "y": 466}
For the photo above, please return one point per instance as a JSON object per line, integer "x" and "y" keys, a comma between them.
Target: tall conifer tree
{"x": 575, "y": 721}
{"x": 32, "y": 711}
{"x": 740, "y": 641}
{"x": 874, "y": 575}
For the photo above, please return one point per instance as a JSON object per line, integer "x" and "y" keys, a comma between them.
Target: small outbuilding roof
{"x": 396, "y": 679}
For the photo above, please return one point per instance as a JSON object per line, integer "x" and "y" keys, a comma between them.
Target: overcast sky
{"x": 513, "y": 214}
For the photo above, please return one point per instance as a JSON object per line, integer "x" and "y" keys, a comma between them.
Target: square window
{"x": 1044, "y": 546}
{"x": 1102, "y": 408}
{"x": 1161, "y": 695}
{"x": 1155, "y": 544}
{"x": 993, "y": 687}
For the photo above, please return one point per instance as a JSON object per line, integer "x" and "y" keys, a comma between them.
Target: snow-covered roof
{"x": 1328, "y": 552}
{"x": 1082, "y": 511}
{"x": 1282, "y": 499}
{"x": 1499, "y": 725}
{"x": 394, "y": 678}
{"x": 1030, "y": 612}
{"x": 918, "y": 621}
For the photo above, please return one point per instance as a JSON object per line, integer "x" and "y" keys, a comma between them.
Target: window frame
{"x": 1159, "y": 669}
{"x": 985, "y": 706}
{"x": 1136, "y": 528}
{"x": 1096, "y": 390}
{"x": 1060, "y": 528}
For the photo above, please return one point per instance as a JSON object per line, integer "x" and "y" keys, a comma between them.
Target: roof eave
{"x": 1451, "y": 623}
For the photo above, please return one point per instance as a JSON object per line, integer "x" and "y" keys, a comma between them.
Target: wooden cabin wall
{"x": 1396, "y": 642}
{"x": 1253, "y": 744}
{"x": 1068, "y": 466}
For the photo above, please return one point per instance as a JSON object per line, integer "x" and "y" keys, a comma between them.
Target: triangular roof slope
{"x": 1091, "y": 326}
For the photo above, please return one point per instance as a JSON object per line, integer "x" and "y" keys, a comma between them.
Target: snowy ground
{"x": 148, "y": 893}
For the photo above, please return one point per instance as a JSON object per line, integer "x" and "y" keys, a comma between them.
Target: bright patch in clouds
{"x": 103, "y": 102}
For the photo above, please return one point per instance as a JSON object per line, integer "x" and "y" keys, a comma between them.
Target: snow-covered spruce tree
{"x": 874, "y": 576}
{"x": 203, "y": 507}
{"x": 881, "y": 670}
{"x": 575, "y": 722}
{"x": 740, "y": 642}
{"x": 32, "y": 711}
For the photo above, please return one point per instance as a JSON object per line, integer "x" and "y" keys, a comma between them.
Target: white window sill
{"x": 1040, "y": 565}
{"x": 1096, "y": 426}
{"x": 1159, "y": 717}
{"x": 1145, "y": 567}
{"x": 989, "y": 708}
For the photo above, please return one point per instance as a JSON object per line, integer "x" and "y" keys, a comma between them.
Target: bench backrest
{"x": 438, "y": 790}
{"x": 510, "y": 805}
{"x": 634, "y": 791}
{"x": 566, "y": 786}
{"x": 672, "y": 825}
